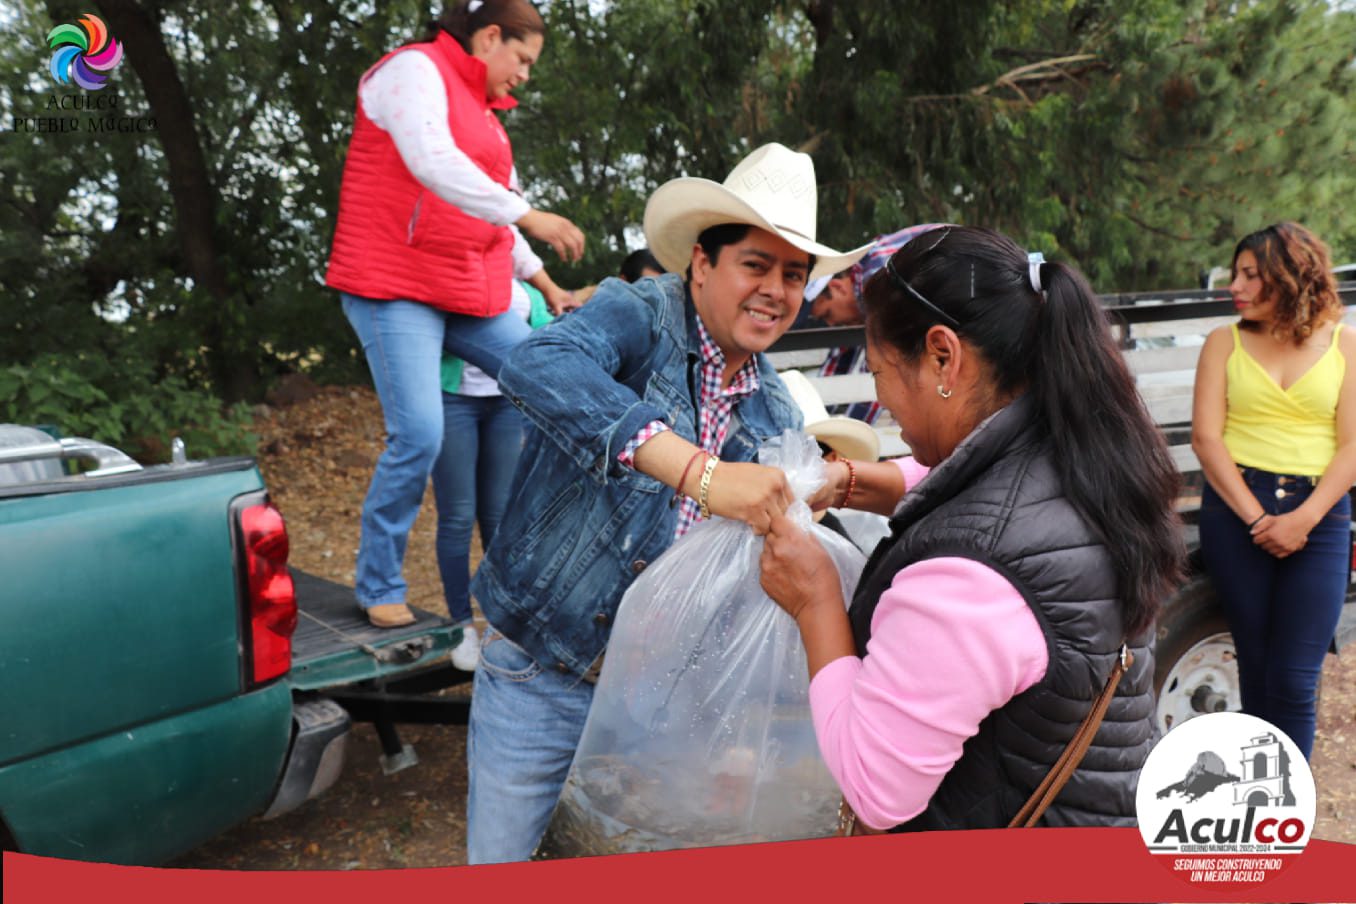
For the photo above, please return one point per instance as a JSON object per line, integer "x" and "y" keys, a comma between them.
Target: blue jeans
{"x": 482, "y": 436}
{"x": 404, "y": 343}
{"x": 1282, "y": 612}
{"x": 525, "y": 725}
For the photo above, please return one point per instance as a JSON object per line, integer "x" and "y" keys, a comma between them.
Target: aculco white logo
{"x": 1226, "y": 798}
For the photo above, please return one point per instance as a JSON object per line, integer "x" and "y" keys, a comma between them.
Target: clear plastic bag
{"x": 700, "y": 731}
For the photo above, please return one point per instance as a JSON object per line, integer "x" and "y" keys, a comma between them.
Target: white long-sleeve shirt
{"x": 405, "y": 97}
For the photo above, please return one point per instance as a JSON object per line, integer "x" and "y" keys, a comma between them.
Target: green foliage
{"x": 123, "y": 404}
{"x": 90, "y": 225}
{"x": 1244, "y": 121}
{"x": 626, "y": 96}
{"x": 1135, "y": 139}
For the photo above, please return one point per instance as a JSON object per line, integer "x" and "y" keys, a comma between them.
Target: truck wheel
{"x": 1195, "y": 669}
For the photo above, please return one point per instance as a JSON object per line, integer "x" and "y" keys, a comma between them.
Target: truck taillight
{"x": 272, "y": 600}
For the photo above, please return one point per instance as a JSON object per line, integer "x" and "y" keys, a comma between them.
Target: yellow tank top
{"x": 1287, "y": 431}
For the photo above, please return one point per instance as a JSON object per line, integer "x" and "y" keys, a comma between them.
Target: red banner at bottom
{"x": 995, "y": 866}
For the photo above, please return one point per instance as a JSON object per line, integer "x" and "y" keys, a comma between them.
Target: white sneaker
{"x": 466, "y": 655}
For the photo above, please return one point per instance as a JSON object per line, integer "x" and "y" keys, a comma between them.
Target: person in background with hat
{"x": 426, "y": 248}
{"x": 659, "y": 401}
{"x": 837, "y": 301}
{"x": 833, "y": 301}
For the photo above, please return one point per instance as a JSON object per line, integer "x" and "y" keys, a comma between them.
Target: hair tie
{"x": 474, "y": 6}
{"x": 1033, "y": 271}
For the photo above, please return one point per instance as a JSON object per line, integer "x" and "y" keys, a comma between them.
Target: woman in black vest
{"x": 1036, "y": 538}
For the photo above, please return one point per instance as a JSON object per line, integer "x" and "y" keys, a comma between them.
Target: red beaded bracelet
{"x": 852, "y": 482}
{"x": 678, "y": 490}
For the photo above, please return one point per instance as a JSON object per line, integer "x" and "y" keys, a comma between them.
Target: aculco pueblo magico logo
{"x": 83, "y": 53}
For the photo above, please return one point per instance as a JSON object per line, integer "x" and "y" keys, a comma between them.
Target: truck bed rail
{"x": 1160, "y": 334}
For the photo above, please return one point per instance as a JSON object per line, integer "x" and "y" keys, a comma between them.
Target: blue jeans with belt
{"x": 404, "y": 343}
{"x": 1282, "y": 612}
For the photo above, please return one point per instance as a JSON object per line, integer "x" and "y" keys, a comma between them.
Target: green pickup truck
{"x": 155, "y": 688}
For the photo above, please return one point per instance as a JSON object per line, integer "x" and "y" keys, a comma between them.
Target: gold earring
{"x": 944, "y": 393}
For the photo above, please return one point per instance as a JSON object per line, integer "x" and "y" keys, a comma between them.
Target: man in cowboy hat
{"x": 646, "y": 408}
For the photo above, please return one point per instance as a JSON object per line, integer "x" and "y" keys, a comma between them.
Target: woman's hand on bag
{"x": 1282, "y": 535}
{"x": 749, "y": 492}
{"x": 836, "y": 477}
{"x": 556, "y": 231}
{"x": 796, "y": 570}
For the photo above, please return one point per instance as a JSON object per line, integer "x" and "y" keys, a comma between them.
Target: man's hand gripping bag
{"x": 700, "y": 731}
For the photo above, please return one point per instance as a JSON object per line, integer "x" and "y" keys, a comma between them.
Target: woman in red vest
{"x": 425, "y": 249}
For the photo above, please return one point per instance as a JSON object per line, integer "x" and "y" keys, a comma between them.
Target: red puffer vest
{"x": 396, "y": 239}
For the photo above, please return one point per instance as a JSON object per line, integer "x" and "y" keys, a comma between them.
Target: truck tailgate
{"x": 334, "y": 645}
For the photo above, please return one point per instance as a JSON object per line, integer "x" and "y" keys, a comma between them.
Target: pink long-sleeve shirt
{"x": 951, "y": 641}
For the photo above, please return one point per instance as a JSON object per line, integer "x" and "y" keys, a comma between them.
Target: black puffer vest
{"x": 998, "y": 500}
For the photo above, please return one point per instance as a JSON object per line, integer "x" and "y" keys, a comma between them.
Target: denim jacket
{"x": 580, "y": 525}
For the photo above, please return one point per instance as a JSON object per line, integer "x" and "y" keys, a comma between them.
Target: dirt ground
{"x": 316, "y": 450}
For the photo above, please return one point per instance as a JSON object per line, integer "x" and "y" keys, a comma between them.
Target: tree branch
{"x": 231, "y": 361}
{"x": 1156, "y": 230}
{"x": 1031, "y": 74}
{"x": 820, "y": 14}
{"x": 195, "y": 201}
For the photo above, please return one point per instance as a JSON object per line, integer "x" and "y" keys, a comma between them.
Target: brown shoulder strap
{"x": 1068, "y": 761}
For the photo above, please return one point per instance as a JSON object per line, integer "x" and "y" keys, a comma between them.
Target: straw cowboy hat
{"x": 772, "y": 188}
{"x": 847, "y": 436}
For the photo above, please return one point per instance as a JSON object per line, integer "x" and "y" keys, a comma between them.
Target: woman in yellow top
{"x": 1274, "y": 427}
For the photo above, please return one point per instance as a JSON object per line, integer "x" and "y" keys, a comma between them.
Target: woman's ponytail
{"x": 1041, "y": 331}
{"x": 1117, "y": 470}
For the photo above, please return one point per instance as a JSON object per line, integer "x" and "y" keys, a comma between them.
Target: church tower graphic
{"x": 1266, "y": 774}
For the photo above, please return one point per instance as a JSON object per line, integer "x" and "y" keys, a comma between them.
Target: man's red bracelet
{"x": 678, "y": 491}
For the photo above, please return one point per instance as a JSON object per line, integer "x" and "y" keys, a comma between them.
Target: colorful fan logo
{"x": 84, "y": 53}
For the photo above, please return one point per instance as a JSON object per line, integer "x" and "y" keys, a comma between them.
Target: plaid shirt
{"x": 881, "y": 250}
{"x": 850, "y": 359}
{"x": 713, "y": 415}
